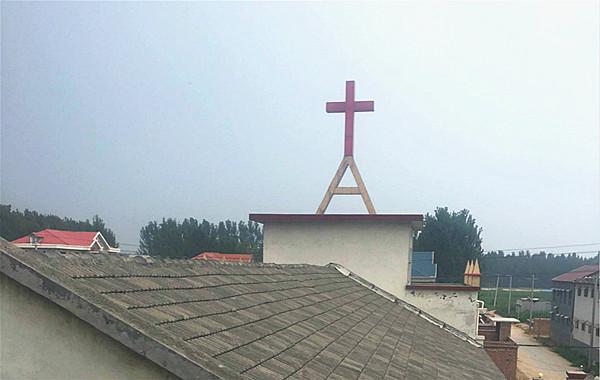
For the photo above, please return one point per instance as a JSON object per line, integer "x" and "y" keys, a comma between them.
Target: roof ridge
{"x": 51, "y": 232}
{"x": 390, "y": 297}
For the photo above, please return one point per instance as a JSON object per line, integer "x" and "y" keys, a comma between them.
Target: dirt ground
{"x": 533, "y": 360}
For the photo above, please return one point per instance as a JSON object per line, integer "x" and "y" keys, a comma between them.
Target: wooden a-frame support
{"x": 335, "y": 189}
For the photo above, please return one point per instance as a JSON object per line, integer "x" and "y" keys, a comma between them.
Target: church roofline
{"x": 415, "y": 219}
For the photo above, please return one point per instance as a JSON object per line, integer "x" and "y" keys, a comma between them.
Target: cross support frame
{"x": 335, "y": 188}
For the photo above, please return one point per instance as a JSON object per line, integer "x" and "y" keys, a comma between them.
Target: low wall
{"x": 541, "y": 327}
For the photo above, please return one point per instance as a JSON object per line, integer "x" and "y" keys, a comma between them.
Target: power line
{"x": 546, "y": 247}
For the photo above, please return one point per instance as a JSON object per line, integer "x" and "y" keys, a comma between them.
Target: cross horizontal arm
{"x": 335, "y": 107}
{"x": 364, "y": 106}
{"x": 360, "y": 106}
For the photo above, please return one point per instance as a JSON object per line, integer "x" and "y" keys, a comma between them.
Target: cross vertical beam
{"x": 349, "y": 106}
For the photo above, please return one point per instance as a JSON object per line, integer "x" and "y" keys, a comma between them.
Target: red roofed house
{"x": 224, "y": 257}
{"x": 563, "y": 301}
{"x": 65, "y": 240}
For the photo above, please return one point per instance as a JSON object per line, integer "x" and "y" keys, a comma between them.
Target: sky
{"x": 139, "y": 111}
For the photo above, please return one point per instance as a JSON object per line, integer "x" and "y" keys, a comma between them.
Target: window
{"x": 592, "y": 292}
{"x": 590, "y": 329}
{"x": 585, "y": 292}
{"x": 583, "y": 326}
{"x": 576, "y": 324}
{"x": 579, "y": 291}
{"x": 597, "y": 331}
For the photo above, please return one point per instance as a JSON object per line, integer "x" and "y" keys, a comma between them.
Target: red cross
{"x": 349, "y": 107}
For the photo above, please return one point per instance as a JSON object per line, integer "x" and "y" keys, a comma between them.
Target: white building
{"x": 374, "y": 246}
{"x": 585, "y": 310}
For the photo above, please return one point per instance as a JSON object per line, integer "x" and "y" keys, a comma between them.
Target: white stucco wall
{"x": 582, "y": 312}
{"x": 458, "y": 309}
{"x": 40, "y": 340}
{"x": 376, "y": 251}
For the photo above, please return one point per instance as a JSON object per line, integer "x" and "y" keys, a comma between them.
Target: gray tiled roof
{"x": 206, "y": 320}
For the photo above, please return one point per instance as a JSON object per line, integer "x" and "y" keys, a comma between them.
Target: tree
{"x": 15, "y": 224}
{"x": 170, "y": 238}
{"x": 454, "y": 237}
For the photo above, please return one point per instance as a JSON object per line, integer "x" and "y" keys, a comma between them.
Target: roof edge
{"x": 104, "y": 321}
{"x": 416, "y": 220}
{"x": 430, "y": 318}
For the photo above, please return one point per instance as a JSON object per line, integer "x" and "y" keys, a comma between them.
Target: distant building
{"x": 65, "y": 241}
{"x": 563, "y": 300}
{"x": 535, "y": 305}
{"x": 585, "y": 309}
{"x": 224, "y": 257}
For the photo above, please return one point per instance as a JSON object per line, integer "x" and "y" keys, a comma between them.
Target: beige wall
{"x": 379, "y": 252}
{"x": 376, "y": 251}
{"x": 40, "y": 340}
{"x": 458, "y": 309}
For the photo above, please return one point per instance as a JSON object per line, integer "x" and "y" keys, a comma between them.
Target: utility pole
{"x": 496, "y": 293}
{"x": 594, "y": 306}
{"x": 509, "y": 292}
{"x": 531, "y": 300}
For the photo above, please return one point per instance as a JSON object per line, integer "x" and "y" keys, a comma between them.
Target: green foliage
{"x": 170, "y": 238}
{"x": 454, "y": 237}
{"x": 15, "y": 224}
{"x": 523, "y": 264}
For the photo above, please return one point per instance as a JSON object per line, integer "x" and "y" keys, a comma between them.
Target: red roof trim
{"x": 229, "y": 257}
{"x": 453, "y": 287}
{"x": 53, "y": 237}
{"x": 577, "y": 273}
{"x": 401, "y": 218}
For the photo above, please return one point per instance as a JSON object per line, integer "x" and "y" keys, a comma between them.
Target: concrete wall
{"x": 562, "y": 305}
{"x": 376, "y": 251}
{"x": 458, "y": 309}
{"x": 40, "y": 340}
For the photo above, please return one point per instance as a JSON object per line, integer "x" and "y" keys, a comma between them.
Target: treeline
{"x": 15, "y": 223}
{"x": 170, "y": 238}
{"x": 523, "y": 264}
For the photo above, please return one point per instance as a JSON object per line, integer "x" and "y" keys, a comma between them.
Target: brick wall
{"x": 489, "y": 332}
{"x": 504, "y": 354}
{"x": 541, "y": 326}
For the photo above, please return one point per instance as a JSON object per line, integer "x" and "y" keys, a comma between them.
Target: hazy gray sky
{"x": 138, "y": 111}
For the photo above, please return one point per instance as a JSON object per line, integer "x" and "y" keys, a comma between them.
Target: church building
{"x": 378, "y": 247}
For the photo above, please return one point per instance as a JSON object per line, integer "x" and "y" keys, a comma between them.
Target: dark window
{"x": 576, "y": 324}
{"x": 597, "y": 331}
{"x": 578, "y": 291}
{"x": 585, "y": 292}
{"x": 583, "y": 326}
{"x": 592, "y": 293}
